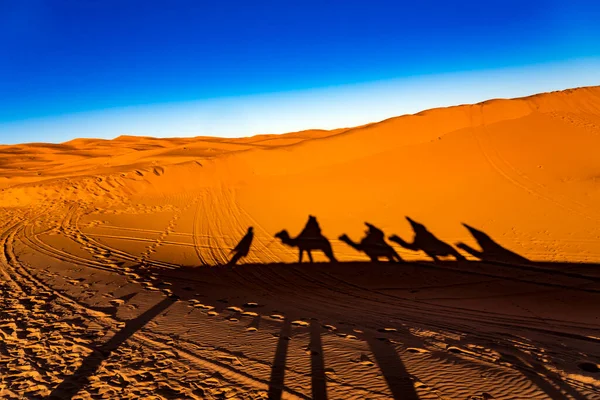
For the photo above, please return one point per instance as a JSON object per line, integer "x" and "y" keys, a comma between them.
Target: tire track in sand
{"x": 19, "y": 278}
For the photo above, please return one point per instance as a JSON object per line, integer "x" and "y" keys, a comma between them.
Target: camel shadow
{"x": 490, "y": 250}
{"x": 308, "y": 240}
{"x": 427, "y": 242}
{"x": 373, "y": 245}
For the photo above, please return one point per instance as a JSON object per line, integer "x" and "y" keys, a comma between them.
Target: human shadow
{"x": 396, "y": 376}
{"x": 427, "y": 242}
{"x": 240, "y": 284}
{"x": 308, "y": 240}
{"x": 490, "y": 250}
{"x": 76, "y": 381}
{"x": 317, "y": 363}
{"x": 373, "y": 245}
{"x": 549, "y": 382}
{"x": 276, "y": 382}
{"x": 242, "y": 248}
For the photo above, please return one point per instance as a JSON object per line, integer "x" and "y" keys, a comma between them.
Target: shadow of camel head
{"x": 282, "y": 235}
{"x": 476, "y": 232}
{"x": 414, "y": 224}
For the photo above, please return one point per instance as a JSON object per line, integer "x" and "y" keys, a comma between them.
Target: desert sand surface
{"x": 115, "y": 280}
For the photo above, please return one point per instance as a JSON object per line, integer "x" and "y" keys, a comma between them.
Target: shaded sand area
{"x": 115, "y": 284}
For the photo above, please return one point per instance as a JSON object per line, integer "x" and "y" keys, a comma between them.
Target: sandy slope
{"x": 113, "y": 253}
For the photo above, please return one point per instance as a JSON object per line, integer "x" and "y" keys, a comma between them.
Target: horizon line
{"x": 330, "y": 108}
{"x": 125, "y": 135}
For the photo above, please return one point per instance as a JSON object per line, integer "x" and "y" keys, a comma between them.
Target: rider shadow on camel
{"x": 373, "y": 245}
{"x": 308, "y": 240}
{"x": 427, "y": 242}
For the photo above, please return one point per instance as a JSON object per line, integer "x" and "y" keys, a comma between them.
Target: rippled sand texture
{"x": 114, "y": 283}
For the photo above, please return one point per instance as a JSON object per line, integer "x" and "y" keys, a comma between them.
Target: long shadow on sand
{"x": 549, "y": 382}
{"x": 397, "y": 377}
{"x": 242, "y": 282}
{"x": 276, "y": 383}
{"x": 317, "y": 363}
{"x": 72, "y": 384}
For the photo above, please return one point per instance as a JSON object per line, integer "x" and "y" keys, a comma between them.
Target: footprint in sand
{"x": 365, "y": 360}
{"x": 345, "y": 335}
{"x": 386, "y": 340}
{"x": 454, "y": 349}
{"x": 300, "y": 323}
{"x": 202, "y": 306}
{"x": 482, "y": 396}
{"x": 458, "y": 350}
{"x": 417, "y": 350}
{"x": 158, "y": 171}
{"x": 330, "y": 373}
{"x": 589, "y": 367}
{"x": 250, "y": 314}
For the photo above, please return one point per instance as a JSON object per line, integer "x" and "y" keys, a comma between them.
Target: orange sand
{"x": 114, "y": 285}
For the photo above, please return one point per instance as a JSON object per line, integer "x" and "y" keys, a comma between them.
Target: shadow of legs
{"x": 317, "y": 363}
{"x": 276, "y": 383}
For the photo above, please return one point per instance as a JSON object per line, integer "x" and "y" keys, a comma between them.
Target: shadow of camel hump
{"x": 373, "y": 245}
{"x": 490, "y": 250}
{"x": 426, "y": 241}
{"x": 308, "y": 240}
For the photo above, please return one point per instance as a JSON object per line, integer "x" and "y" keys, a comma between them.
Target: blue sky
{"x": 96, "y": 68}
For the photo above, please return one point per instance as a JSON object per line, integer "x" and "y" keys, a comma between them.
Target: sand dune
{"x": 114, "y": 253}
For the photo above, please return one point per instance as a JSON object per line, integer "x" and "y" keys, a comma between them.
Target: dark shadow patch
{"x": 427, "y": 242}
{"x": 589, "y": 367}
{"x": 308, "y": 240}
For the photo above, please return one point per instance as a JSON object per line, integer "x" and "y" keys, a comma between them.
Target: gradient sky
{"x": 100, "y": 68}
